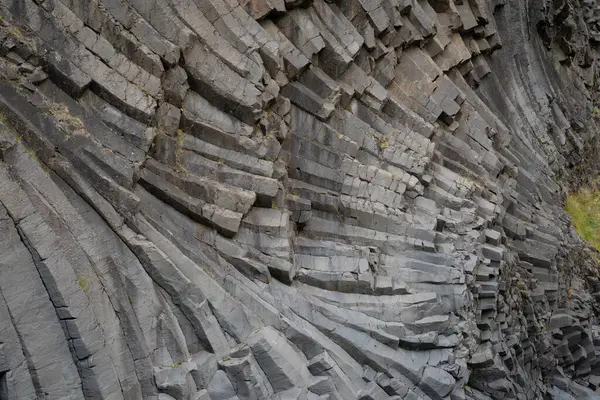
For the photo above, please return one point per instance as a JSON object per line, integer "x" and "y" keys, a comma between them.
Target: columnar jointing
{"x": 269, "y": 199}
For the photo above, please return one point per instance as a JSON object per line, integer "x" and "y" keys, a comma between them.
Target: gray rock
{"x": 373, "y": 392}
{"x": 295, "y": 199}
{"x": 248, "y": 379}
{"x": 436, "y": 382}
{"x": 28, "y": 305}
{"x": 75, "y": 80}
{"x": 37, "y": 77}
{"x": 283, "y": 366}
{"x": 202, "y": 395}
{"x": 309, "y": 101}
{"x": 206, "y": 367}
{"x": 221, "y": 85}
{"x": 220, "y": 387}
{"x": 261, "y": 8}
{"x": 167, "y": 119}
{"x": 299, "y": 29}
{"x": 323, "y": 364}
{"x": 483, "y": 357}
{"x": 175, "y": 380}
{"x": 175, "y": 85}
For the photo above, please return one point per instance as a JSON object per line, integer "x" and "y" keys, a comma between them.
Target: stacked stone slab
{"x": 269, "y": 199}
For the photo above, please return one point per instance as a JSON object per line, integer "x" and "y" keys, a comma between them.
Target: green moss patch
{"x": 584, "y": 208}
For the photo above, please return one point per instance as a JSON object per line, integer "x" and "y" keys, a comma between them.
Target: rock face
{"x": 287, "y": 199}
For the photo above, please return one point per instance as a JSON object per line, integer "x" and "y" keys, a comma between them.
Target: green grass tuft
{"x": 584, "y": 208}
{"x": 16, "y": 32}
{"x": 82, "y": 283}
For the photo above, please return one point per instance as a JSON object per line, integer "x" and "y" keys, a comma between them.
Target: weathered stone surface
{"x": 206, "y": 366}
{"x": 32, "y": 312}
{"x": 283, "y": 366}
{"x": 175, "y": 380}
{"x": 220, "y": 387}
{"x": 167, "y": 119}
{"x": 175, "y": 85}
{"x": 221, "y": 85}
{"x": 248, "y": 379}
{"x": 292, "y": 199}
{"x": 260, "y": 8}
{"x": 436, "y": 382}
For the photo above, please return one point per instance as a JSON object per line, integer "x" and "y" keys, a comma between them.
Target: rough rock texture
{"x": 287, "y": 199}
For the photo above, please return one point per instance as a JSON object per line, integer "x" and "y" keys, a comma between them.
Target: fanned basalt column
{"x": 295, "y": 199}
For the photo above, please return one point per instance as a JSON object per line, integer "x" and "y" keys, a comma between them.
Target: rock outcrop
{"x": 295, "y": 199}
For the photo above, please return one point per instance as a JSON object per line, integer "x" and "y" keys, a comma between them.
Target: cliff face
{"x": 269, "y": 199}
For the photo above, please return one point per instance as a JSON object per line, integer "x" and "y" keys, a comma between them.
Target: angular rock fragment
{"x": 282, "y": 365}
